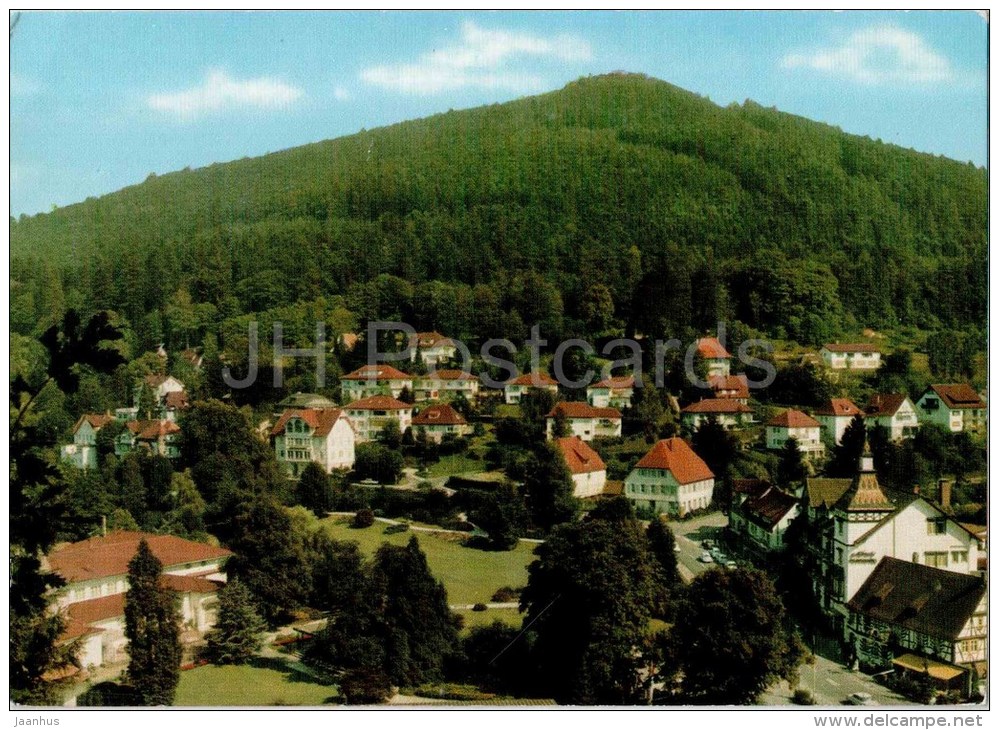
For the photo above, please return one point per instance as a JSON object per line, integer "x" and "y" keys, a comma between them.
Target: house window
{"x": 959, "y": 556}
{"x": 936, "y": 560}
{"x": 936, "y": 526}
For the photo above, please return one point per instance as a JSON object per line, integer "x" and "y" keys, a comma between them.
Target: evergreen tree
{"x": 238, "y": 634}
{"x": 548, "y": 488}
{"x": 315, "y": 490}
{"x": 152, "y": 627}
{"x": 791, "y": 465}
{"x": 846, "y": 454}
{"x": 662, "y": 546}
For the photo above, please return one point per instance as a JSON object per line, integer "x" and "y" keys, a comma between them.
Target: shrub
{"x": 461, "y": 692}
{"x": 506, "y": 594}
{"x": 399, "y": 527}
{"x": 803, "y": 697}
{"x": 363, "y": 518}
{"x": 109, "y": 694}
{"x": 365, "y": 687}
{"x": 480, "y": 607}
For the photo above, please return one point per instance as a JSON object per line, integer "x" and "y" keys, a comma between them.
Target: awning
{"x": 931, "y": 667}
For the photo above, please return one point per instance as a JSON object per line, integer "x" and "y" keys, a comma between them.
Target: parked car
{"x": 706, "y": 557}
{"x": 860, "y": 698}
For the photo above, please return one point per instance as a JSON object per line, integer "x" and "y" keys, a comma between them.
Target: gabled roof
{"x": 537, "y": 380}
{"x": 717, "y": 405}
{"x": 97, "y": 609}
{"x": 793, "y": 419}
{"x": 155, "y": 381}
{"x": 423, "y": 340}
{"x": 439, "y": 415}
{"x": 449, "y": 375}
{"x": 711, "y": 348}
{"x": 769, "y": 508}
{"x": 675, "y": 456}
{"x": 579, "y": 456}
{"x": 105, "y": 556}
{"x": 958, "y": 396}
{"x": 751, "y": 487}
{"x": 854, "y": 347}
{"x": 580, "y": 409}
{"x": 730, "y": 386}
{"x": 97, "y": 421}
{"x": 378, "y": 403}
{"x": 825, "y": 491}
{"x": 616, "y": 383}
{"x": 926, "y": 600}
{"x": 176, "y": 400}
{"x": 152, "y": 430}
{"x": 885, "y": 404}
{"x": 377, "y": 372}
{"x": 321, "y": 420}
{"x": 839, "y": 407}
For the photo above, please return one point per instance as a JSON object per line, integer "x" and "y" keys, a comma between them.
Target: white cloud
{"x": 220, "y": 92}
{"x": 878, "y": 55}
{"x": 481, "y": 59}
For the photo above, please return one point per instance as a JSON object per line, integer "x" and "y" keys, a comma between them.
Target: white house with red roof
{"x": 799, "y": 426}
{"x": 589, "y": 473}
{"x": 670, "y": 479}
{"x": 440, "y": 420}
{"x": 585, "y": 421}
{"x": 856, "y": 356}
{"x": 763, "y": 518}
{"x": 96, "y": 576}
{"x": 956, "y": 407}
{"x": 446, "y": 385}
{"x": 611, "y": 392}
{"x": 82, "y": 453}
{"x": 322, "y": 435}
{"x": 432, "y": 348}
{"x": 735, "y": 387}
{"x": 369, "y": 416}
{"x": 371, "y": 380}
{"x": 715, "y": 356}
{"x": 159, "y": 437}
{"x": 728, "y": 412}
{"x": 517, "y": 388}
{"x": 835, "y": 415}
{"x": 893, "y": 412}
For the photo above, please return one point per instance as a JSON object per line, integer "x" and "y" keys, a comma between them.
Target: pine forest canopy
{"x": 618, "y": 200}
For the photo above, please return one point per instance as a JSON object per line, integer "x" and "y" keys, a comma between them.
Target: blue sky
{"x": 100, "y": 100}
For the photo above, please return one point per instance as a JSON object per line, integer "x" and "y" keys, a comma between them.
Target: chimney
{"x": 945, "y": 490}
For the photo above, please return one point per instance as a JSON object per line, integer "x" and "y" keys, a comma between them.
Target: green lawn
{"x": 469, "y": 575}
{"x": 456, "y": 464}
{"x": 268, "y": 682}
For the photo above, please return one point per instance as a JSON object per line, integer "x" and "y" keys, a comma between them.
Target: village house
{"x": 584, "y": 420}
{"x": 298, "y": 399}
{"x": 369, "y": 416}
{"x": 373, "y": 380}
{"x": 715, "y": 356}
{"x": 801, "y": 427}
{"x": 160, "y": 386}
{"x": 95, "y": 572}
{"x": 728, "y": 412}
{"x": 670, "y": 479}
{"x": 432, "y": 348}
{"x": 82, "y": 453}
{"x": 611, "y": 392}
{"x": 320, "y": 435}
{"x": 956, "y": 407}
{"x": 921, "y": 620}
{"x": 516, "y": 389}
{"x": 438, "y": 421}
{"x": 157, "y": 437}
{"x": 860, "y": 356}
{"x": 735, "y": 387}
{"x": 589, "y": 473}
{"x": 762, "y": 515}
{"x": 835, "y": 415}
{"x": 893, "y": 412}
{"x": 447, "y": 385}
{"x": 174, "y": 403}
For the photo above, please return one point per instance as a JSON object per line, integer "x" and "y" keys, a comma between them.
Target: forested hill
{"x": 619, "y": 200}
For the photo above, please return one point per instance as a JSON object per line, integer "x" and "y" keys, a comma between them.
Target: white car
{"x": 860, "y": 698}
{"x": 706, "y": 557}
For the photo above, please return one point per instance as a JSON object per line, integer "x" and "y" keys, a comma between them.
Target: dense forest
{"x": 619, "y": 203}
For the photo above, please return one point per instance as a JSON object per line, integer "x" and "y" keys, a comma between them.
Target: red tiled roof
{"x": 717, "y": 405}
{"x": 885, "y": 404}
{"x": 536, "y": 379}
{"x": 752, "y": 487}
{"x": 675, "y": 456}
{"x": 620, "y": 382}
{"x": 377, "y": 372}
{"x": 449, "y": 375}
{"x": 793, "y": 419}
{"x": 768, "y": 508}
{"x": 176, "y": 400}
{"x": 579, "y": 409}
{"x": 430, "y": 339}
{"x": 855, "y": 347}
{"x": 378, "y": 403}
{"x": 189, "y": 584}
{"x": 711, "y": 348}
{"x": 439, "y": 415}
{"x": 958, "y": 396}
{"x": 839, "y": 407}
{"x": 96, "y": 420}
{"x": 321, "y": 420}
{"x": 97, "y": 609}
{"x": 730, "y": 386}
{"x": 578, "y": 455}
{"x": 152, "y": 430}
{"x": 101, "y": 557}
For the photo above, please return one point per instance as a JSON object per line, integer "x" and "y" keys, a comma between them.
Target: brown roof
{"x": 958, "y": 396}
{"x": 439, "y": 415}
{"x": 675, "y": 456}
{"x": 793, "y": 419}
{"x": 537, "y": 380}
{"x": 152, "y": 430}
{"x": 769, "y": 508}
{"x": 925, "y": 600}
{"x": 349, "y": 340}
{"x": 377, "y": 372}
{"x": 97, "y": 609}
{"x": 711, "y": 348}
{"x": 613, "y": 488}
{"x": 155, "y": 381}
{"x": 176, "y": 400}
{"x": 189, "y": 584}
{"x": 102, "y": 557}
{"x": 378, "y": 403}
{"x": 579, "y": 409}
{"x": 580, "y": 457}
{"x": 449, "y": 375}
{"x": 321, "y": 420}
{"x": 825, "y": 491}
{"x": 96, "y": 420}
{"x": 855, "y": 347}
{"x": 838, "y": 407}
{"x": 430, "y": 339}
{"x": 730, "y": 386}
{"x": 752, "y": 487}
{"x": 717, "y": 405}
{"x": 620, "y": 382}
{"x": 885, "y": 404}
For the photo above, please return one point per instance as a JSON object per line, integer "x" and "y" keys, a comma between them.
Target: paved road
{"x": 831, "y": 683}
{"x": 689, "y": 534}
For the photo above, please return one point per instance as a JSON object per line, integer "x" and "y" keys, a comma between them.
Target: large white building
{"x": 861, "y": 356}
{"x": 589, "y": 473}
{"x": 322, "y": 435}
{"x": 585, "y": 420}
{"x": 82, "y": 453}
{"x": 447, "y": 385}
{"x": 801, "y": 427}
{"x": 369, "y": 416}
{"x": 670, "y": 479}
{"x": 956, "y": 407}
